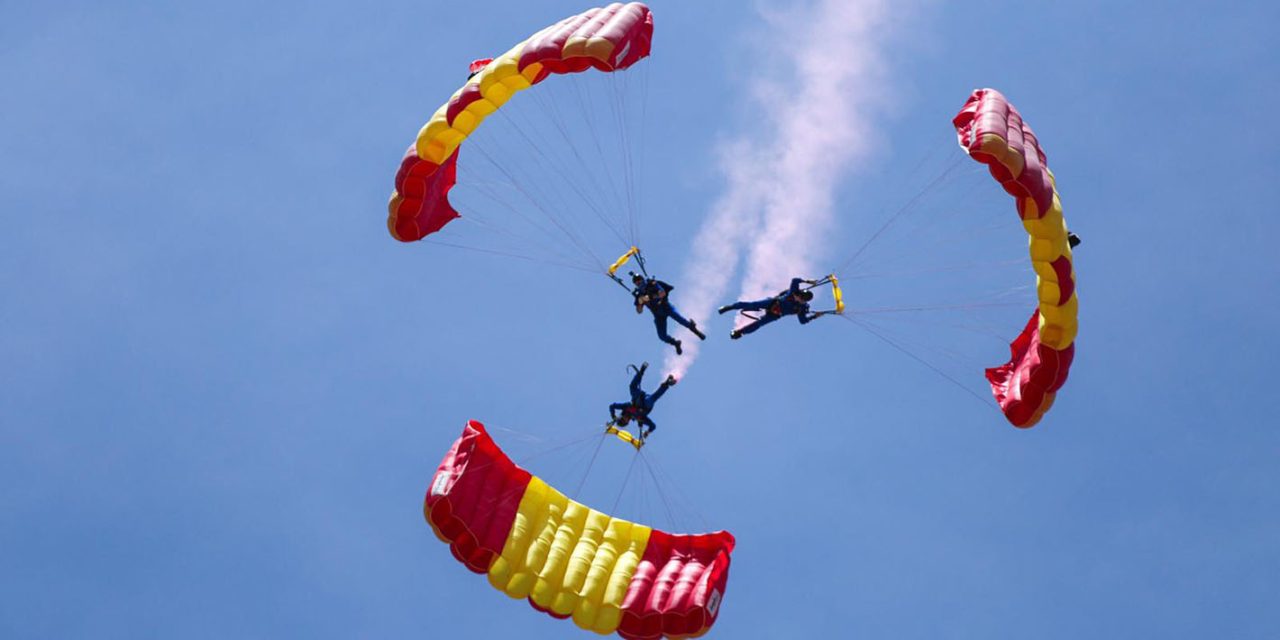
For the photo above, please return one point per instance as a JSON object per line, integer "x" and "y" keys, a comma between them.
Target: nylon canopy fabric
{"x": 606, "y": 39}
{"x": 607, "y": 574}
{"x": 992, "y": 132}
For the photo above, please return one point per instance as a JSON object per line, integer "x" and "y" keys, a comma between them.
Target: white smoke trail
{"x": 815, "y": 122}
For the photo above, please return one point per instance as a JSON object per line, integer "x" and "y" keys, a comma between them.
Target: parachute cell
{"x": 608, "y": 39}
{"x": 569, "y": 560}
{"x": 992, "y": 132}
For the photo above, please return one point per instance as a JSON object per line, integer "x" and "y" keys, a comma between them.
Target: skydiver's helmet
{"x": 806, "y": 295}
{"x": 624, "y": 420}
{"x": 636, "y": 278}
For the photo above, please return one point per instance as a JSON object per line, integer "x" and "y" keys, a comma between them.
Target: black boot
{"x": 725, "y": 309}
{"x": 693, "y": 326}
{"x": 679, "y": 351}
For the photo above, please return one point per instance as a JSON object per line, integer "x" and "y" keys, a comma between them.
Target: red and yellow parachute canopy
{"x": 608, "y": 39}
{"x": 569, "y": 560}
{"x": 992, "y": 132}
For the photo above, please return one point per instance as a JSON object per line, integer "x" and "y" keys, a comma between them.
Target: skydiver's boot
{"x": 735, "y": 334}
{"x": 679, "y": 351}
{"x": 725, "y": 309}
{"x": 693, "y": 326}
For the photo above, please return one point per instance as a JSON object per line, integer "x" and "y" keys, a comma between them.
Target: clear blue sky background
{"x": 224, "y": 388}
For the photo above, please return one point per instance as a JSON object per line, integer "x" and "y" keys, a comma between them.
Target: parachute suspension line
{"x": 552, "y": 247}
{"x": 560, "y": 169}
{"x": 869, "y": 329}
{"x": 618, "y": 106}
{"x": 553, "y": 163}
{"x": 625, "y": 480}
{"x": 560, "y": 123}
{"x": 588, "y": 110}
{"x": 515, "y": 491}
{"x": 666, "y": 504}
{"x": 524, "y": 460}
{"x": 910, "y": 204}
{"x": 590, "y": 464}
{"x": 577, "y": 241}
{"x": 660, "y": 474}
{"x": 612, "y": 271}
{"x": 609, "y": 196}
{"x": 941, "y": 307}
{"x": 970, "y": 266}
{"x": 534, "y": 200}
{"x": 642, "y": 141}
{"x": 507, "y": 254}
{"x": 489, "y": 190}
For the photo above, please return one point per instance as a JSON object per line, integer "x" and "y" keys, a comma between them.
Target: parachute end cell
{"x": 420, "y": 205}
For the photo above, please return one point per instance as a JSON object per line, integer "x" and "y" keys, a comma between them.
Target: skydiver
{"x": 793, "y": 301}
{"x": 652, "y": 293}
{"x": 641, "y": 403}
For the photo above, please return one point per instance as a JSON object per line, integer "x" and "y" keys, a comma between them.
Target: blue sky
{"x": 224, "y": 387}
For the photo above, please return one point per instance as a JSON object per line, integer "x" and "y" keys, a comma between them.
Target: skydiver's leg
{"x": 687, "y": 323}
{"x": 653, "y": 397}
{"x": 681, "y": 320}
{"x": 636, "y": 391}
{"x": 752, "y": 305}
{"x": 660, "y": 322}
{"x": 762, "y": 321}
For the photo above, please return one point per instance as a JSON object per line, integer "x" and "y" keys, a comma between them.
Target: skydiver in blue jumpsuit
{"x": 652, "y": 293}
{"x": 793, "y": 301}
{"x": 641, "y": 403}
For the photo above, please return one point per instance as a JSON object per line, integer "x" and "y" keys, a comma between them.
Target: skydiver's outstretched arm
{"x": 795, "y": 285}
{"x": 807, "y": 316}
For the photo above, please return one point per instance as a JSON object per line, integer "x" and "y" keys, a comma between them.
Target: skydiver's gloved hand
{"x": 671, "y": 380}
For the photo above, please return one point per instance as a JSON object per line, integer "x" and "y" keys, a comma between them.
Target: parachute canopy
{"x": 569, "y": 560}
{"x": 992, "y": 132}
{"x": 608, "y": 39}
